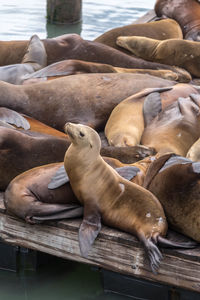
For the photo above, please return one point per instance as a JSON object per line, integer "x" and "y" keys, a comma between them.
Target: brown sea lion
{"x": 194, "y": 151}
{"x": 23, "y": 150}
{"x": 72, "y": 67}
{"x": 160, "y": 30}
{"x": 28, "y": 197}
{"x": 72, "y": 46}
{"x": 181, "y": 53}
{"x": 84, "y": 98}
{"x": 126, "y": 123}
{"x": 176, "y": 183}
{"x": 174, "y": 129}
{"x": 21, "y": 121}
{"x": 106, "y": 195}
{"x": 185, "y": 12}
{"x": 34, "y": 59}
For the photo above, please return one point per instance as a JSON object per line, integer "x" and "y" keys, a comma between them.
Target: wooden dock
{"x": 113, "y": 250}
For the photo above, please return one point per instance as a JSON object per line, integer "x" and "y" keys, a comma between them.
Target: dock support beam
{"x": 64, "y": 11}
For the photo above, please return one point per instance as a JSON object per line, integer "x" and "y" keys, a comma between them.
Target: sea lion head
{"x": 83, "y": 136}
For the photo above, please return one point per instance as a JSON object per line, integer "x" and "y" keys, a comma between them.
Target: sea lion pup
{"x": 34, "y": 59}
{"x": 28, "y": 197}
{"x": 22, "y": 150}
{"x": 105, "y": 194}
{"x": 181, "y": 53}
{"x": 84, "y": 98}
{"x": 175, "y": 128}
{"x": 126, "y": 123}
{"x": 185, "y": 12}
{"x": 73, "y": 66}
{"x": 176, "y": 183}
{"x": 160, "y": 30}
{"x": 72, "y": 46}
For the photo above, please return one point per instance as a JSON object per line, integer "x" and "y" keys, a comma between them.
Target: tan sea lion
{"x": 126, "y": 123}
{"x": 174, "y": 129}
{"x": 106, "y": 195}
{"x": 160, "y": 30}
{"x": 181, "y": 53}
{"x": 28, "y": 197}
{"x": 185, "y": 12}
{"x": 85, "y": 98}
{"x": 176, "y": 183}
{"x": 34, "y": 59}
{"x": 72, "y": 67}
{"x": 72, "y": 46}
{"x": 194, "y": 151}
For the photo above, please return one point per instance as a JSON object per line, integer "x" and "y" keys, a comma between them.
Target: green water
{"x": 57, "y": 280}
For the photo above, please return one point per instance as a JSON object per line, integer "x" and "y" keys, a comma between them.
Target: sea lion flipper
{"x": 14, "y": 118}
{"x": 89, "y": 229}
{"x": 59, "y": 179}
{"x": 127, "y": 172}
{"x": 173, "y": 244}
{"x": 152, "y": 107}
{"x": 195, "y": 98}
{"x": 46, "y": 212}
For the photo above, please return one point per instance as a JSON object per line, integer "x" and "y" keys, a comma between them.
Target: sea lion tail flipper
{"x": 163, "y": 242}
{"x": 152, "y": 107}
{"x": 127, "y": 172}
{"x": 89, "y": 229}
{"x": 59, "y": 179}
{"x": 47, "y": 212}
{"x": 153, "y": 253}
{"x": 14, "y": 118}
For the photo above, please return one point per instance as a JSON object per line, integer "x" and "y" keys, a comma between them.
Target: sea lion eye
{"x": 82, "y": 134}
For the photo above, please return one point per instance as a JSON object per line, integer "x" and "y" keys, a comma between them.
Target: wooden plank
{"x": 113, "y": 250}
{"x": 148, "y": 17}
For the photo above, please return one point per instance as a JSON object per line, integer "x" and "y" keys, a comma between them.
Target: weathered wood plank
{"x": 113, "y": 250}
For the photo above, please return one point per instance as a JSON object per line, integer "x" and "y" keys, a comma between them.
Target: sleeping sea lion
{"x": 34, "y": 59}
{"x": 126, "y": 123}
{"x": 185, "y": 12}
{"x": 72, "y": 67}
{"x": 28, "y": 197}
{"x": 175, "y": 181}
{"x": 174, "y": 129}
{"x": 72, "y": 46}
{"x": 181, "y": 53}
{"x": 106, "y": 195}
{"x": 85, "y": 98}
{"x": 160, "y": 30}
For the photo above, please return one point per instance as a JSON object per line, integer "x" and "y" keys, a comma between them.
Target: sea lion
{"x": 34, "y": 59}
{"x": 106, "y": 195}
{"x": 85, "y": 98}
{"x": 72, "y": 67}
{"x": 28, "y": 197}
{"x": 23, "y": 150}
{"x": 176, "y": 184}
{"x": 126, "y": 123}
{"x": 181, "y": 53}
{"x": 21, "y": 121}
{"x": 185, "y": 12}
{"x": 72, "y": 46}
{"x": 160, "y": 30}
{"x": 175, "y": 129}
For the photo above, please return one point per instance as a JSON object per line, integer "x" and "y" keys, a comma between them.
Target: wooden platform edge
{"x": 108, "y": 251}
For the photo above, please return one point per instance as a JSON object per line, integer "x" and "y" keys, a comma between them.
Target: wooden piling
{"x": 64, "y": 11}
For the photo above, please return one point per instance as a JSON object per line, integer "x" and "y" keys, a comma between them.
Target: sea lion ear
{"x": 59, "y": 179}
{"x": 128, "y": 172}
{"x": 89, "y": 229}
{"x": 91, "y": 145}
{"x": 151, "y": 108}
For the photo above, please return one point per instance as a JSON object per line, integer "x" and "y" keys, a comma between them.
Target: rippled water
{"x": 19, "y": 19}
